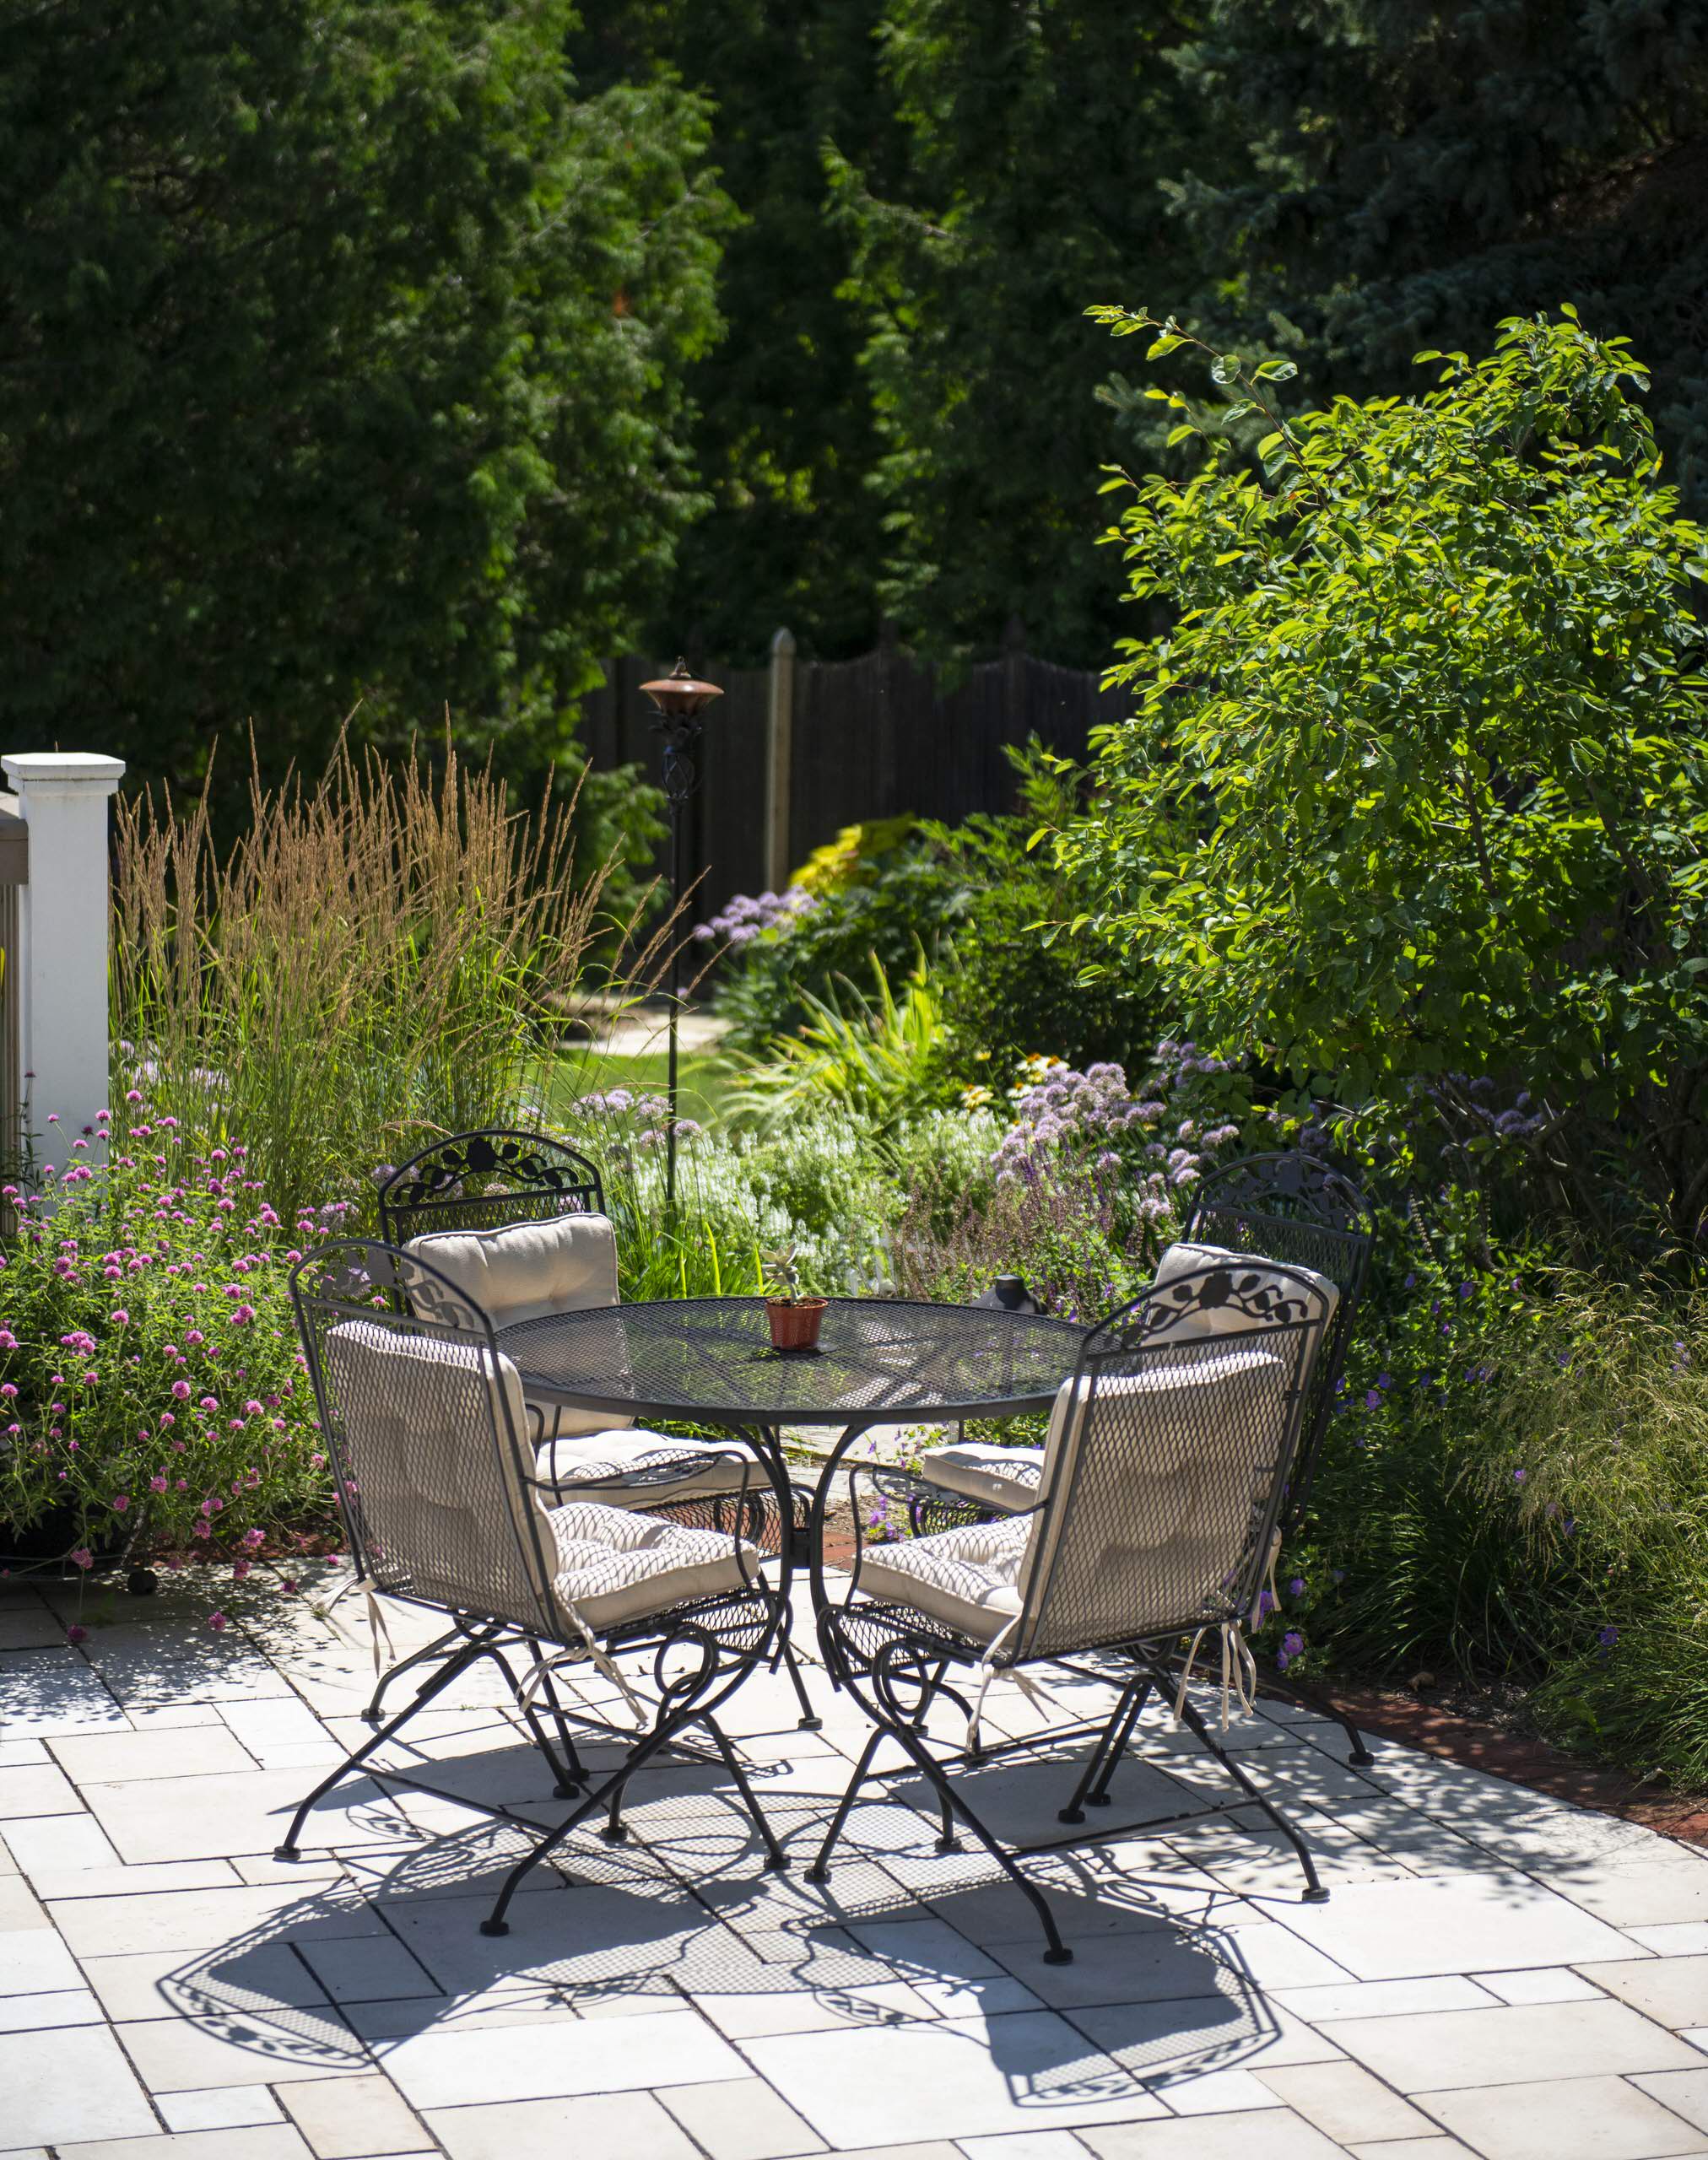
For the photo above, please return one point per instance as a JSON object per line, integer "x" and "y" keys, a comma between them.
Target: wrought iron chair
{"x": 1287, "y": 1206}
{"x": 528, "y": 1269}
{"x": 1164, "y": 1479}
{"x": 482, "y": 1180}
{"x": 425, "y": 1426}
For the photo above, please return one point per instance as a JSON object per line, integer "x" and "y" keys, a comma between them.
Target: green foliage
{"x": 153, "y": 1389}
{"x": 767, "y": 985}
{"x": 783, "y": 442}
{"x": 344, "y": 352}
{"x": 1032, "y": 143}
{"x": 380, "y": 958}
{"x": 1512, "y": 1490}
{"x": 1414, "y": 783}
{"x": 877, "y": 1058}
{"x": 1417, "y": 172}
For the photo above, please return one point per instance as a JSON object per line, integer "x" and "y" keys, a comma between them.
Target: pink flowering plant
{"x": 152, "y": 1392}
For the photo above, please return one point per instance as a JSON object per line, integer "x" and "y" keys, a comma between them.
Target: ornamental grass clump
{"x": 387, "y": 954}
{"x": 154, "y": 1397}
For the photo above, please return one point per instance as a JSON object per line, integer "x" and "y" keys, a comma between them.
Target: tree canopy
{"x": 342, "y": 360}
{"x": 1417, "y": 779}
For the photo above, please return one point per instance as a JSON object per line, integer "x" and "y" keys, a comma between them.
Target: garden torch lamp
{"x": 677, "y": 701}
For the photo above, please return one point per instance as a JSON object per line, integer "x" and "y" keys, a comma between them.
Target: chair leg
{"x": 452, "y": 1669}
{"x": 569, "y": 1774}
{"x": 1315, "y": 1894}
{"x": 777, "y": 1857}
{"x": 810, "y": 1720}
{"x": 819, "y": 1871}
{"x": 1058, "y": 1954}
{"x": 608, "y": 1794}
{"x": 371, "y": 1715}
{"x": 1093, "y": 1788}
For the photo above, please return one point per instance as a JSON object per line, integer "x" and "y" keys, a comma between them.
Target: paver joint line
{"x": 697, "y": 2005}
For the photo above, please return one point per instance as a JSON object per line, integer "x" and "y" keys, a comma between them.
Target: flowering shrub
{"x": 154, "y": 1394}
{"x": 750, "y": 915}
{"x": 1095, "y": 1118}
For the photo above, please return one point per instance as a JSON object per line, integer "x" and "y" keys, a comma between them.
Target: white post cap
{"x": 34, "y": 768}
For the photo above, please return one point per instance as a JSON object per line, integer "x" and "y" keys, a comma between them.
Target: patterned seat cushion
{"x": 614, "y": 1565}
{"x": 967, "y": 1578}
{"x": 596, "y": 1457}
{"x": 992, "y": 1477}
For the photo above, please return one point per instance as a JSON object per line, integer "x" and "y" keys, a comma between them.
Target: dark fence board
{"x": 872, "y": 737}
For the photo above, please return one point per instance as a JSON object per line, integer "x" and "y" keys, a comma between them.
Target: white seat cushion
{"x": 992, "y": 1477}
{"x": 614, "y": 1565}
{"x": 526, "y": 1271}
{"x": 596, "y": 1457}
{"x": 968, "y": 1578}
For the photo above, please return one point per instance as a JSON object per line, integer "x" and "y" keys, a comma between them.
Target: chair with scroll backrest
{"x": 1293, "y": 1207}
{"x": 1164, "y": 1477}
{"x": 426, "y": 1431}
{"x": 483, "y": 1180}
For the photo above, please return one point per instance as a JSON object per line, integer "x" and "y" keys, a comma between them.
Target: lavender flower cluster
{"x": 750, "y": 915}
{"x": 1059, "y": 1110}
{"x": 648, "y": 1115}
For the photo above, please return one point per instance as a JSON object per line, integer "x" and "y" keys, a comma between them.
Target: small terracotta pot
{"x": 794, "y": 1322}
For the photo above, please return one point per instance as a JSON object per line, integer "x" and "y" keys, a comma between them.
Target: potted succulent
{"x": 794, "y": 1317}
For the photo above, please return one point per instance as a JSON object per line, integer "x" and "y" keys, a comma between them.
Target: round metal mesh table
{"x": 876, "y": 1360}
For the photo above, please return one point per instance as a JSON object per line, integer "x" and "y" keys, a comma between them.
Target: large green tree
{"x": 785, "y": 441}
{"x": 1416, "y": 780}
{"x": 1419, "y": 171}
{"x": 342, "y": 358}
{"x": 1037, "y": 136}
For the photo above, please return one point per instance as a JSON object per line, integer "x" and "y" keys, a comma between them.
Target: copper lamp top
{"x": 680, "y": 693}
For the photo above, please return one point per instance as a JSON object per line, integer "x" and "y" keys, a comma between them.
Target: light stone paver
{"x": 347, "y": 2117}
{"x": 1589, "y": 2118}
{"x": 1495, "y": 1973}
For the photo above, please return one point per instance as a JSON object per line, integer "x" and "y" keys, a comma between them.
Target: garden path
{"x": 1496, "y": 1973}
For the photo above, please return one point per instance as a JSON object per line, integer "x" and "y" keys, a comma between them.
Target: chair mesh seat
{"x": 597, "y": 1458}
{"x": 616, "y": 1565}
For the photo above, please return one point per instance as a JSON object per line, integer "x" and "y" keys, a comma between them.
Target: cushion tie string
{"x": 376, "y": 1620}
{"x": 542, "y": 1667}
{"x": 1239, "y": 1671}
{"x": 987, "y": 1672}
{"x": 377, "y": 1626}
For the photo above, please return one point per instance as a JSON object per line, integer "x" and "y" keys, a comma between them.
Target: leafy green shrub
{"x": 789, "y": 952}
{"x": 877, "y": 1058}
{"x": 153, "y": 1392}
{"x": 1415, "y": 782}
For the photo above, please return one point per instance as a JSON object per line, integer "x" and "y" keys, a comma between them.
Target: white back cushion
{"x": 527, "y": 1269}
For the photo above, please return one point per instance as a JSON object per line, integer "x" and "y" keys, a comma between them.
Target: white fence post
{"x": 63, "y": 963}
{"x": 779, "y": 728}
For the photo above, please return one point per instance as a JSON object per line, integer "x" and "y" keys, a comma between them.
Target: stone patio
{"x": 1496, "y": 1973}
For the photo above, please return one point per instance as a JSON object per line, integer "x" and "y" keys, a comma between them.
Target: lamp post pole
{"x": 677, "y": 701}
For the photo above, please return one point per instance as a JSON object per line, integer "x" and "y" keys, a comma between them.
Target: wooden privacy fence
{"x": 797, "y": 749}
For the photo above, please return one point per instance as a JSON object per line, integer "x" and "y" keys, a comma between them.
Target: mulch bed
{"x": 1484, "y": 1744}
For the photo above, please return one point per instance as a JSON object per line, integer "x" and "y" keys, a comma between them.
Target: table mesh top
{"x": 711, "y": 1357}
